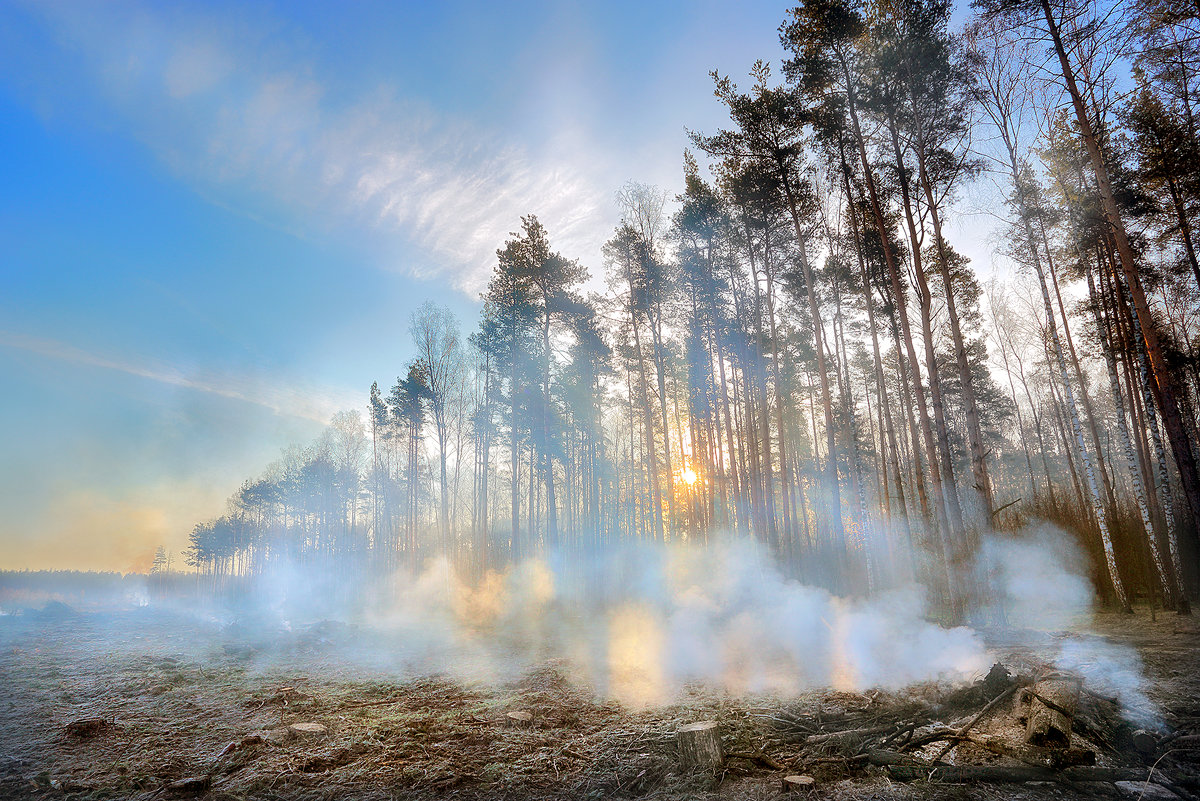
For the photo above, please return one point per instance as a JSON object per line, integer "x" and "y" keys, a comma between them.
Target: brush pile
{"x": 1040, "y": 728}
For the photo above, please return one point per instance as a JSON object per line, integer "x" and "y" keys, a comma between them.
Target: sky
{"x": 217, "y": 218}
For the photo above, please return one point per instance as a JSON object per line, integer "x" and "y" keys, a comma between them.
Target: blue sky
{"x": 216, "y": 219}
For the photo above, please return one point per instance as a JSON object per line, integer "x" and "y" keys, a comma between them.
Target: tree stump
{"x": 1052, "y": 705}
{"x": 308, "y": 730}
{"x": 700, "y": 745}
{"x": 520, "y": 719}
{"x": 796, "y": 784}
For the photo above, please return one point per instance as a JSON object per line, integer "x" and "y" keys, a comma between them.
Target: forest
{"x": 791, "y": 349}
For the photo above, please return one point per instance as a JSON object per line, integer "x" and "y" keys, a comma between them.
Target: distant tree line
{"x": 792, "y": 350}
{"x": 26, "y": 590}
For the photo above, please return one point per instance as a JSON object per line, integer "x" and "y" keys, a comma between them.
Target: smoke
{"x": 1040, "y": 590}
{"x": 644, "y": 623}
{"x": 641, "y": 623}
{"x": 1036, "y": 580}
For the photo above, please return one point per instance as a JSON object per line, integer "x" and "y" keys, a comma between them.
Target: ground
{"x": 164, "y": 701}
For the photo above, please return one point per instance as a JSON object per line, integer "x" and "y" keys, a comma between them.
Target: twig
{"x": 1005, "y": 506}
{"x": 1151, "y": 774}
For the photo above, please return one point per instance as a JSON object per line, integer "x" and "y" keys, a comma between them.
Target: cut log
{"x": 1145, "y": 791}
{"x": 700, "y": 745}
{"x": 904, "y": 768}
{"x": 1009, "y": 773}
{"x": 1052, "y": 704}
{"x": 884, "y": 757}
{"x": 1188, "y": 742}
{"x": 796, "y": 784}
{"x": 1145, "y": 742}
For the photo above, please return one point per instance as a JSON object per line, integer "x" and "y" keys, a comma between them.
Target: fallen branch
{"x": 904, "y": 768}
{"x": 935, "y": 736}
{"x": 1183, "y": 742}
{"x": 800, "y": 763}
{"x": 849, "y": 738}
{"x": 900, "y": 737}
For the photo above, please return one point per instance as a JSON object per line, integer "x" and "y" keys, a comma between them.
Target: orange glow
{"x": 688, "y": 476}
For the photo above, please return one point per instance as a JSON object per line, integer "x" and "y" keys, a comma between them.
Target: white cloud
{"x": 283, "y": 398}
{"x": 194, "y": 68}
{"x": 226, "y": 104}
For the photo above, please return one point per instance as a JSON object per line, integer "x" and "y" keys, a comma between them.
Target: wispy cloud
{"x": 282, "y": 398}
{"x": 227, "y": 104}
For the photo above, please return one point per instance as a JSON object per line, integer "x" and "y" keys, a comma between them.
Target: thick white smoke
{"x": 1040, "y": 589}
{"x": 641, "y": 622}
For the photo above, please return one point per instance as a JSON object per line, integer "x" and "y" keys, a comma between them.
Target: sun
{"x": 688, "y": 476}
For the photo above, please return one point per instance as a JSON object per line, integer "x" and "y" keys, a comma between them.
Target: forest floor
{"x": 133, "y": 705}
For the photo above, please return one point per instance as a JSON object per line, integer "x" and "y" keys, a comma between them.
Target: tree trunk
{"x": 1165, "y": 385}
{"x": 700, "y": 745}
{"x": 1135, "y": 471}
{"x": 881, "y": 385}
{"x": 924, "y": 300}
{"x": 1162, "y": 474}
{"x": 814, "y": 311}
{"x": 898, "y": 292}
{"x": 983, "y": 485}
